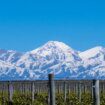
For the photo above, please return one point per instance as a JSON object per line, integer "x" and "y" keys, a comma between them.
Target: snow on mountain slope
{"x": 10, "y": 55}
{"x": 9, "y": 71}
{"x": 93, "y": 56}
{"x": 94, "y": 62}
{"x": 92, "y": 52}
{"x": 57, "y": 50}
{"x": 53, "y": 57}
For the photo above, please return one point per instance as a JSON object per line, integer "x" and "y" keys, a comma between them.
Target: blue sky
{"x": 28, "y": 24}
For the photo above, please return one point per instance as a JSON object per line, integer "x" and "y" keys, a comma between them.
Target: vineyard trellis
{"x": 8, "y": 89}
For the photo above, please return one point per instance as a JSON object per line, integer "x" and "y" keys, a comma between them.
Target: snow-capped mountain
{"x": 94, "y": 62}
{"x": 53, "y": 57}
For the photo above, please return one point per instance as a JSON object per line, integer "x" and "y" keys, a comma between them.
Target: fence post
{"x": 10, "y": 93}
{"x": 3, "y": 103}
{"x": 65, "y": 91}
{"x": 52, "y": 89}
{"x": 32, "y": 91}
{"x": 79, "y": 91}
{"x": 96, "y": 92}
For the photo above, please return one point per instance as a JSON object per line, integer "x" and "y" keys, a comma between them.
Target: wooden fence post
{"x": 96, "y": 92}
{"x": 52, "y": 89}
{"x": 33, "y": 92}
{"x": 2, "y": 93}
{"x": 10, "y": 93}
{"x": 79, "y": 91}
{"x": 65, "y": 91}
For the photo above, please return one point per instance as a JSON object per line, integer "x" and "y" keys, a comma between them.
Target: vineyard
{"x": 67, "y": 92}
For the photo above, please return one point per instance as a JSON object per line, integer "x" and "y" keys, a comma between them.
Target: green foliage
{"x": 86, "y": 99}
{"x": 72, "y": 99}
{"x": 21, "y": 99}
{"x": 59, "y": 99}
{"x": 102, "y": 98}
{"x": 3, "y": 99}
{"x": 42, "y": 99}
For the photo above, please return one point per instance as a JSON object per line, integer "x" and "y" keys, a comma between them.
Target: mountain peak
{"x": 98, "y": 48}
{"x": 57, "y": 44}
{"x": 92, "y": 52}
{"x": 54, "y": 45}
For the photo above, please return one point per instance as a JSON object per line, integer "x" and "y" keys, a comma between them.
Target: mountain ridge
{"x": 53, "y": 57}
